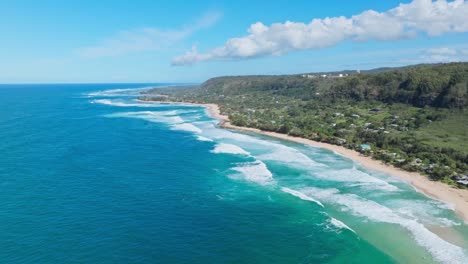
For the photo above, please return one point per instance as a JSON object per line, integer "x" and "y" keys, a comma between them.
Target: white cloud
{"x": 404, "y": 21}
{"x": 443, "y": 54}
{"x": 442, "y": 51}
{"x": 146, "y": 39}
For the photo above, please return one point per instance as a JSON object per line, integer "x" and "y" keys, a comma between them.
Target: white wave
{"x": 429, "y": 211}
{"x": 360, "y": 178}
{"x": 291, "y": 156}
{"x": 275, "y": 151}
{"x": 440, "y": 249}
{"x": 229, "y": 149}
{"x": 256, "y": 172}
{"x": 118, "y": 92}
{"x": 156, "y": 117}
{"x": 186, "y": 127}
{"x": 122, "y": 103}
{"x": 301, "y": 195}
{"x": 340, "y": 224}
{"x": 202, "y": 138}
{"x": 171, "y": 112}
{"x": 167, "y": 117}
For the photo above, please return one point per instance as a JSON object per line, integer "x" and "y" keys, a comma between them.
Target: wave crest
{"x": 229, "y": 149}
{"x": 256, "y": 172}
{"x": 301, "y": 195}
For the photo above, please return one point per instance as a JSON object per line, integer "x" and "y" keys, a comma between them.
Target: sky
{"x": 190, "y": 41}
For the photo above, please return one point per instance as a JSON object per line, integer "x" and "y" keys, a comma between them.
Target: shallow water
{"x": 89, "y": 175}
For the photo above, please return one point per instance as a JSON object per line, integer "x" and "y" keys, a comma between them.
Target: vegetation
{"x": 413, "y": 117}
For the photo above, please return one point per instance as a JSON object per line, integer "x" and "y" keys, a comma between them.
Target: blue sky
{"x": 188, "y": 41}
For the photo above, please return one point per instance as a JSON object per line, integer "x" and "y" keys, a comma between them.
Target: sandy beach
{"x": 455, "y": 197}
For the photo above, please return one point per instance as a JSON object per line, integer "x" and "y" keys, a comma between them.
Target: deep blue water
{"x": 89, "y": 175}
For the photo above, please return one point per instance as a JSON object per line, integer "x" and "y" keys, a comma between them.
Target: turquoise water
{"x": 89, "y": 175}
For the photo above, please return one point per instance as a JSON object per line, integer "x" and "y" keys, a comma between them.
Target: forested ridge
{"x": 413, "y": 117}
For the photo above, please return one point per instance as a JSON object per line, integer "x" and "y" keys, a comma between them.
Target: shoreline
{"x": 458, "y": 198}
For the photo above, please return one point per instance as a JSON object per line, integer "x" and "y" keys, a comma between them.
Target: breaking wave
{"x": 118, "y": 92}
{"x": 340, "y": 225}
{"x": 274, "y": 151}
{"x": 359, "y": 178}
{"x": 229, "y": 149}
{"x": 256, "y": 172}
{"x": 440, "y": 249}
{"x": 202, "y": 138}
{"x": 186, "y": 127}
{"x": 123, "y": 103}
{"x": 151, "y": 116}
{"x": 301, "y": 195}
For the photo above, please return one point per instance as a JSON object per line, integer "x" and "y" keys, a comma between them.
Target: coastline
{"x": 433, "y": 189}
{"x": 458, "y": 198}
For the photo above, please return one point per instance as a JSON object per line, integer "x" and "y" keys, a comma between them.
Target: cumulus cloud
{"x": 405, "y": 21}
{"x": 146, "y": 39}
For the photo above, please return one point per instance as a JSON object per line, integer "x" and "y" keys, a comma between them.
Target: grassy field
{"x": 451, "y": 132}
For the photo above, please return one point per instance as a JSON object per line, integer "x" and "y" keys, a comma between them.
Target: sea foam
{"x": 440, "y": 249}
{"x": 202, "y": 138}
{"x": 301, "y": 195}
{"x": 256, "y": 172}
{"x": 291, "y": 156}
{"x": 359, "y": 178}
{"x": 274, "y": 151}
{"x": 118, "y": 92}
{"x": 156, "y": 117}
{"x": 429, "y": 211}
{"x": 186, "y": 127}
{"x": 340, "y": 224}
{"x": 229, "y": 149}
{"x": 123, "y": 103}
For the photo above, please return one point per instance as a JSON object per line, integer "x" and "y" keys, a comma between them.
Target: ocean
{"x": 90, "y": 175}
